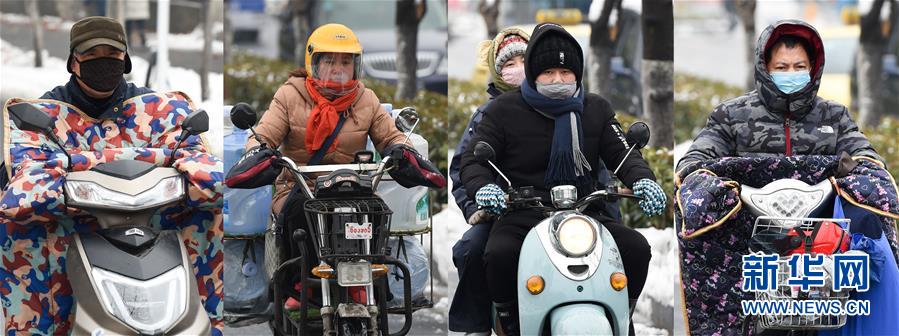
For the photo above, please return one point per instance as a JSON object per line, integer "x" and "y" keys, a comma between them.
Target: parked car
{"x": 378, "y": 38}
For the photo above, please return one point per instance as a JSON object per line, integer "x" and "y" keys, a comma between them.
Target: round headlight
{"x": 576, "y": 236}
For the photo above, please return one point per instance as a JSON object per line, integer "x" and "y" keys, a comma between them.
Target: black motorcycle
{"x": 344, "y": 280}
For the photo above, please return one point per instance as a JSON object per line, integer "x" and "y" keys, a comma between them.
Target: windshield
{"x": 372, "y": 14}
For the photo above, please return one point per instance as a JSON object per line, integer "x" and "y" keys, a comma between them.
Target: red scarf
{"x": 324, "y": 117}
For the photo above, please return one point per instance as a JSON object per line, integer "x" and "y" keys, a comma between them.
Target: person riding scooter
{"x": 787, "y": 116}
{"x": 105, "y": 119}
{"x": 470, "y": 308}
{"x": 781, "y": 121}
{"x": 584, "y": 130}
{"x": 322, "y": 115}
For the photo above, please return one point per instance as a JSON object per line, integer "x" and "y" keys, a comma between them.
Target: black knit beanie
{"x": 552, "y": 47}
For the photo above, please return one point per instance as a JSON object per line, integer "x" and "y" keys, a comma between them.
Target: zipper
{"x": 789, "y": 150}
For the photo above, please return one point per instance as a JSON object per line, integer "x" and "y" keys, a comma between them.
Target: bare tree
{"x": 38, "y": 40}
{"x": 207, "y": 49}
{"x": 489, "y": 10}
{"x": 746, "y": 11}
{"x": 228, "y": 35}
{"x": 872, "y": 46}
{"x": 408, "y": 15}
{"x": 601, "y": 49}
{"x": 302, "y": 26}
{"x": 658, "y": 70}
{"x": 296, "y": 25}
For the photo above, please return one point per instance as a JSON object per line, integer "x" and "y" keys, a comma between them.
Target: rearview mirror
{"x": 243, "y": 116}
{"x": 30, "y": 118}
{"x": 406, "y": 119}
{"x": 483, "y": 151}
{"x": 638, "y": 135}
{"x": 196, "y": 122}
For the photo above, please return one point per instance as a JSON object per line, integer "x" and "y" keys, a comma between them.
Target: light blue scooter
{"x": 571, "y": 278}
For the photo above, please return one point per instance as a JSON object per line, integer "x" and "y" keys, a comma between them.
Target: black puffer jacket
{"x": 522, "y": 138}
{"x": 768, "y": 122}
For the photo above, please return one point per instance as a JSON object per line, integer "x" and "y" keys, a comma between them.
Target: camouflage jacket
{"x": 38, "y": 227}
{"x": 769, "y": 123}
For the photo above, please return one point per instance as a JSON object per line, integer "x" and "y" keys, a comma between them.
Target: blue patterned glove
{"x": 491, "y": 198}
{"x": 654, "y": 199}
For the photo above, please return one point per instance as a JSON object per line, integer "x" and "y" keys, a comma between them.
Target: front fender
{"x": 561, "y": 291}
{"x": 569, "y": 320}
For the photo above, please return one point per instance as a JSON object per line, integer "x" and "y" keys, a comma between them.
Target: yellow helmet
{"x": 332, "y": 38}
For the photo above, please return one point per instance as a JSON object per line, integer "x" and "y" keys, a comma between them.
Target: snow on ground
{"x": 21, "y": 79}
{"x": 48, "y": 22}
{"x": 656, "y": 304}
{"x": 680, "y": 150}
{"x": 653, "y": 315}
{"x": 192, "y": 41}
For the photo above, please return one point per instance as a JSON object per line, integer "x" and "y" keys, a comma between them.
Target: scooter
{"x": 350, "y": 225}
{"x": 128, "y": 278}
{"x": 789, "y": 218}
{"x": 571, "y": 278}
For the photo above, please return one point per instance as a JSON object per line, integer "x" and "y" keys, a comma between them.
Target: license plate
{"x": 358, "y": 231}
{"x": 353, "y": 273}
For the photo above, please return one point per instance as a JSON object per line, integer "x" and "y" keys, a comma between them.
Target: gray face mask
{"x": 557, "y": 90}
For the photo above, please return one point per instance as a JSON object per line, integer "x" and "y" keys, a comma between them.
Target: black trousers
{"x": 504, "y": 247}
{"x": 293, "y": 217}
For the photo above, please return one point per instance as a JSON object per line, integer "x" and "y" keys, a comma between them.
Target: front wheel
{"x": 353, "y": 327}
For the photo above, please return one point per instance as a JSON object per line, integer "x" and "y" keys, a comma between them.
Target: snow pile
{"x": 47, "y": 22}
{"x": 192, "y": 41}
{"x": 19, "y": 77}
{"x": 656, "y": 304}
{"x": 22, "y": 79}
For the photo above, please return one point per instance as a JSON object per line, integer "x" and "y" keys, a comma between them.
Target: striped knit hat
{"x": 511, "y": 46}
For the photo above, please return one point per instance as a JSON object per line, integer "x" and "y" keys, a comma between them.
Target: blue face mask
{"x": 789, "y": 82}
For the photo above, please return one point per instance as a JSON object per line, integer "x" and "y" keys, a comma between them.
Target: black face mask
{"x": 102, "y": 74}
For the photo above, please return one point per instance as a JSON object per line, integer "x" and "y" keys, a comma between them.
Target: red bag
{"x": 826, "y": 238}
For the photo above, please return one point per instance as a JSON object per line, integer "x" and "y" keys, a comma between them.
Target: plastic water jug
{"x": 246, "y": 211}
{"x": 410, "y": 205}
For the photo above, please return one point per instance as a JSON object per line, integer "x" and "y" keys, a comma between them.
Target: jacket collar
{"x": 107, "y": 108}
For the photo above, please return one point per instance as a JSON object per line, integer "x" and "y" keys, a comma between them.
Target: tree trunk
{"x": 207, "y": 49}
{"x": 869, "y": 62}
{"x": 489, "y": 10}
{"x": 287, "y": 39}
{"x": 37, "y": 27}
{"x": 302, "y": 27}
{"x": 228, "y": 37}
{"x": 408, "y": 16}
{"x": 599, "y": 74}
{"x": 658, "y": 70}
{"x": 746, "y": 11}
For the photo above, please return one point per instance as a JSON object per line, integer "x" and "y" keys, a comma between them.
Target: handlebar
{"x": 298, "y": 171}
{"x": 333, "y": 167}
{"x": 524, "y": 197}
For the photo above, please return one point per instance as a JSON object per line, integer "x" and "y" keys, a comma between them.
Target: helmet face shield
{"x": 337, "y": 72}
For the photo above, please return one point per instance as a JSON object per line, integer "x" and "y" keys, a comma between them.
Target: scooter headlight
{"x": 151, "y": 306}
{"x": 576, "y": 236}
{"x": 91, "y": 194}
